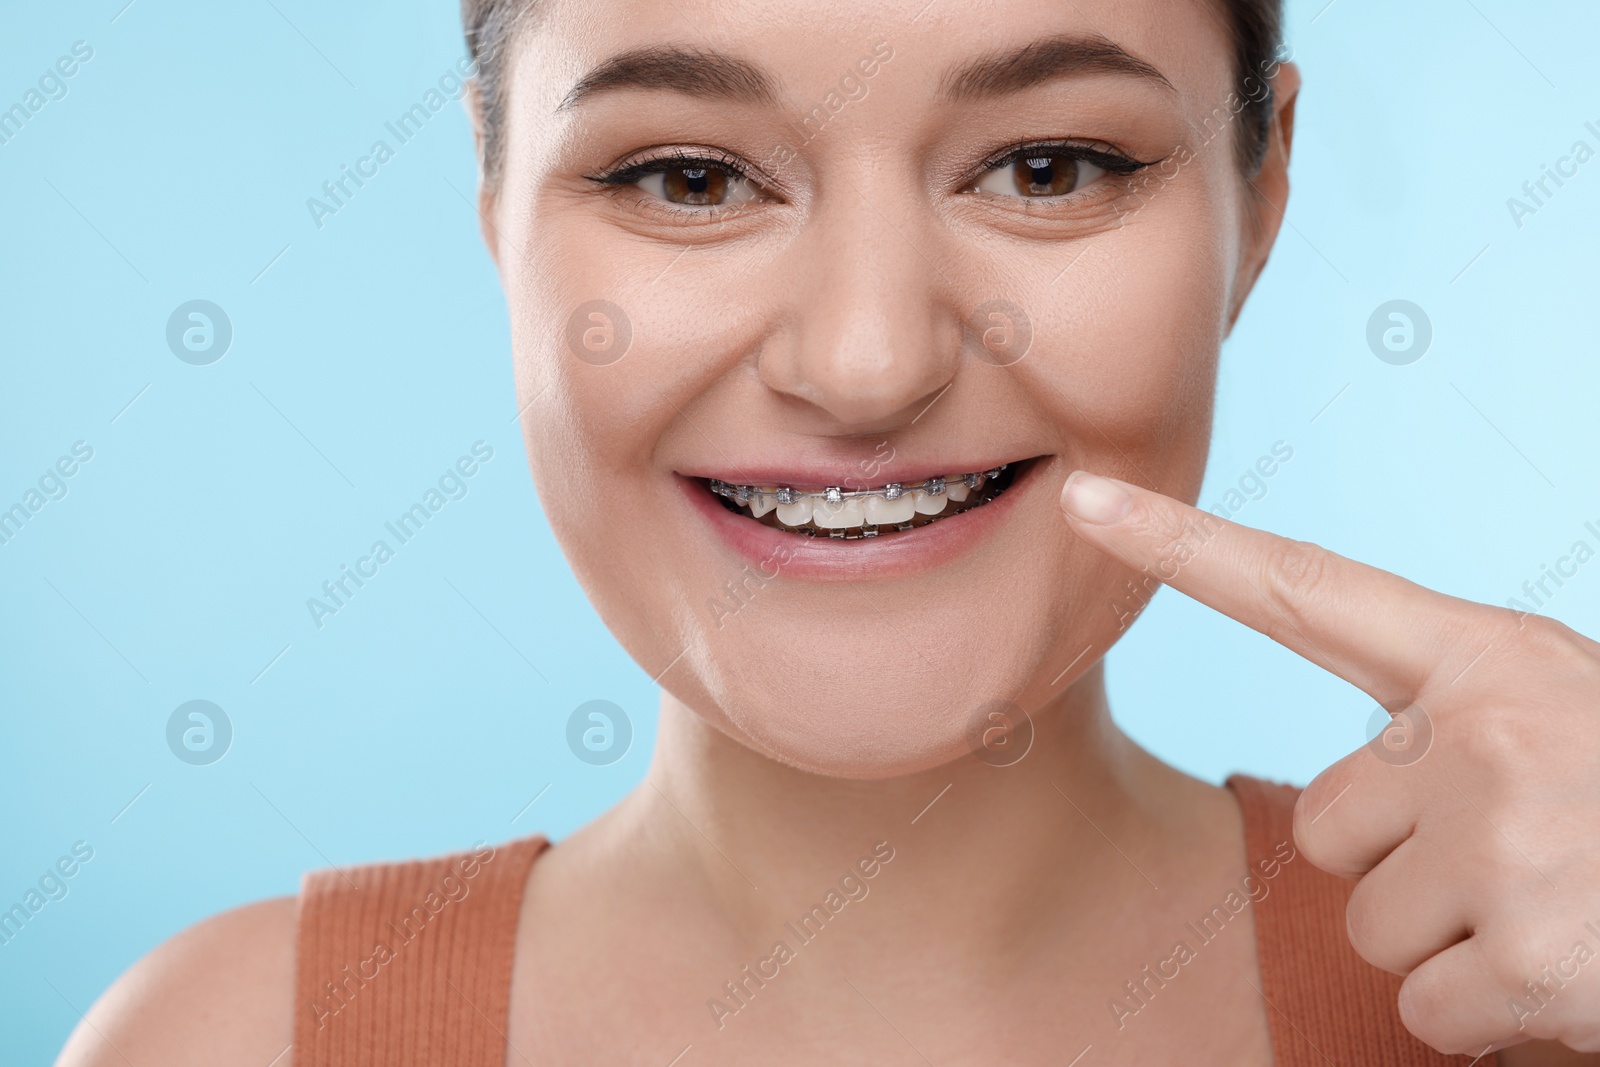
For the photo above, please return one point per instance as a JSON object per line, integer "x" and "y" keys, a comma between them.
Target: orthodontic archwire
{"x": 833, "y": 494}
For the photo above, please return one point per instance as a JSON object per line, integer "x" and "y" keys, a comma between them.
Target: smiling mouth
{"x": 856, "y": 514}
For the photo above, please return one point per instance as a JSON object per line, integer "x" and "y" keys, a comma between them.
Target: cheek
{"x": 616, "y": 333}
{"x": 1126, "y": 346}
{"x": 603, "y": 360}
{"x": 601, "y": 386}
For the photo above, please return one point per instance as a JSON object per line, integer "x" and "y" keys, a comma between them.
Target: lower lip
{"x": 836, "y": 559}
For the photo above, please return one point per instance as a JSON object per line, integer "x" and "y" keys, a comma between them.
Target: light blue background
{"x": 373, "y": 352}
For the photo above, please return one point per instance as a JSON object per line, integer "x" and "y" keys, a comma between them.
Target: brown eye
{"x": 1040, "y": 174}
{"x": 696, "y": 184}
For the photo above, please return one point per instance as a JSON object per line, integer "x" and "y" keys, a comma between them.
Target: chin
{"x": 841, "y": 738}
{"x": 861, "y": 671}
{"x": 873, "y": 696}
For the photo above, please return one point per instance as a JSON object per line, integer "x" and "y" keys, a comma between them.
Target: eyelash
{"x": 1105, "y": 158}
{"x": 618, "y": 179}
{"x": 632, "y": 172}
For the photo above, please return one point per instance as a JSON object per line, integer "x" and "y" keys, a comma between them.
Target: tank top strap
{"x": 409, "y": 964}
{"x": 1324, "y": 1002}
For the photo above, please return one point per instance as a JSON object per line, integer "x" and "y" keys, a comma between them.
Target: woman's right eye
{"x": 688, "y": 183}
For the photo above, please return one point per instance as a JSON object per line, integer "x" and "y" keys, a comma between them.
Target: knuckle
{"x": 1171, "y": 539}
{"x": 1516, "y": 963}
{"x": 1422, "y": 1009}
{"x": 1556, "y": 646}
{"x": 1430, "y": 1007}
{"x": 1505, "y": 739}
{"x": 1585, "y": 1037}
{"x": 1533, "y": 701}
{"x": 1297, "y": 573}
{"x": 1510, "y": 961}
{"x": 1317, "y": 830}
{"x": 1362, "y": 923}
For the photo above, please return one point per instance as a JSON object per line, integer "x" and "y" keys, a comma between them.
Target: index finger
{"x": 1378, "y": 631}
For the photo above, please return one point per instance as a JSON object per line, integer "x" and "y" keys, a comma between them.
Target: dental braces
{"x": 834, "y": 494}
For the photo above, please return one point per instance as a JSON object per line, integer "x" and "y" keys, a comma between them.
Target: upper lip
{"x": 810, "y": 476}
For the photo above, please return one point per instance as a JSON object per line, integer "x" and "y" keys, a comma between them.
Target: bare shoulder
{"x": 219, "y": 992}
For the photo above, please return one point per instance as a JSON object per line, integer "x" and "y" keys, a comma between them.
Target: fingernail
{"x": 1092, "y": 498}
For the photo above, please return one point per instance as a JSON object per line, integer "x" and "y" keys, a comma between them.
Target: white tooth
{"x": 889, "y": 512}
{"x": 841, "y": 516}
{"x": 764, "y": 501}
{"x": 796, "y": 514}
{"x": 925, "y": 504}
{"x": 955, "y": 488}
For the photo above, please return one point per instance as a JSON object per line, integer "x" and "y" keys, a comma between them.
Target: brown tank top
{"x": 409, "y": 964}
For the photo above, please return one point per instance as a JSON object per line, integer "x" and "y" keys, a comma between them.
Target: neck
{"x": 1085, "y": 823}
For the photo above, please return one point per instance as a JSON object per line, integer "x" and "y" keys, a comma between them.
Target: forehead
{"x": 803, "y": 47}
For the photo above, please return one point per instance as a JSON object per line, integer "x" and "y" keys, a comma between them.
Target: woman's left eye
{"x": 1037, "y": 173}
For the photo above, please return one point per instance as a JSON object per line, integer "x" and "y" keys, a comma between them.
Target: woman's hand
{"x": 1473, "y": 821}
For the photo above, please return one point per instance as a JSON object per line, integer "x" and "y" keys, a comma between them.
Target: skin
{"x": 1473, "y": 844}
{"x": 812, "y": 328}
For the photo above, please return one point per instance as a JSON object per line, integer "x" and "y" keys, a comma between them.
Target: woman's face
{"x": 817, "y": 258}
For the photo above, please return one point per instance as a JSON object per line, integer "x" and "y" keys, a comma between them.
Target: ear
{"x": 1267, "y": 193}
{"x": 473, "y": 97}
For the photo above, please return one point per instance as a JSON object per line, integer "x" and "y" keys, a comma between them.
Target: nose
{"x": 869, "y": 339}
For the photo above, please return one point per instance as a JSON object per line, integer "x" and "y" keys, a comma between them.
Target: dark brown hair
{"x": 493, "y": 27}
{"x": 1257, "y": 41}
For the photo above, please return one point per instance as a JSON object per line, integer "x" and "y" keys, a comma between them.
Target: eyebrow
{"x": 1014, "y": 69}
{"x": 679, "y": 70}
{"x": 718, "y": 75}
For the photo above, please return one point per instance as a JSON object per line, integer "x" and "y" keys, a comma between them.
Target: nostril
{"x": 864, "y": 349}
